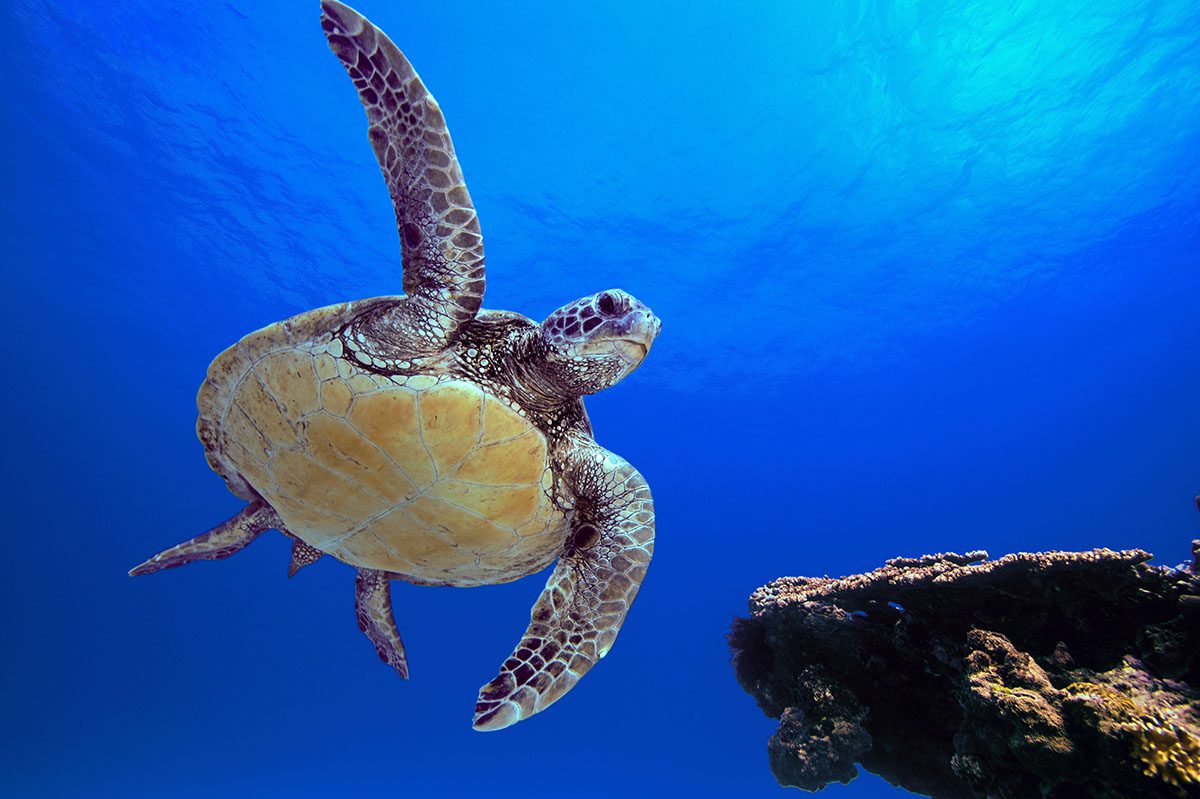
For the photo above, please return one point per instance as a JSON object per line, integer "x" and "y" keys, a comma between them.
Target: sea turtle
{"x": 419, "y": 438}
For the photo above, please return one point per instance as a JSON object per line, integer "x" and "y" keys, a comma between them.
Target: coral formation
{"x": 1168, "y": 750}
{"x": 1065, "y": 675}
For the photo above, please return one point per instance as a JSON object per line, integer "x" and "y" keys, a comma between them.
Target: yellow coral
{"x": 1120, "y": 705}
{"x": 1169, "y": 752}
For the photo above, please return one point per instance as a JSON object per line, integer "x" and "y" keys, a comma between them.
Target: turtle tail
{"x": 220, "y": 542}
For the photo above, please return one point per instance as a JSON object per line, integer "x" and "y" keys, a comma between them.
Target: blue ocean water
{"x": 928, "y": 273}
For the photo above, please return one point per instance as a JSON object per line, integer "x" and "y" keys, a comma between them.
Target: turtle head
{"x": 594, "y": 342}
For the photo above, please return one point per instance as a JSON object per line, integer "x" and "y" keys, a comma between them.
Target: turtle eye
{"x": 607, "y": 305}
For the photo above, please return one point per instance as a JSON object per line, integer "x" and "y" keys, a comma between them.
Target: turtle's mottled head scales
{"x": 596, "y": 341}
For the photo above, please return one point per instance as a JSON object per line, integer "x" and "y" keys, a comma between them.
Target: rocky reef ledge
{"x": 1064, "y": 675}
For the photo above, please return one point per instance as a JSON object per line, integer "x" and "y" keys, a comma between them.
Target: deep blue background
{"x": 929, "y": 273}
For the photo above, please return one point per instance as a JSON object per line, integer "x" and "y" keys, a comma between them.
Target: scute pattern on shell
{"x": 424, "y": 477}
{"x": 227, "y": 370}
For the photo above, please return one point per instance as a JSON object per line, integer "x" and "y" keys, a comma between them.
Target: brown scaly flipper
{"x": 441, "y": 244}
{"x": 374, "y": 606}
{"x": 220, "y": 542}
{"x": 577, "y": 617}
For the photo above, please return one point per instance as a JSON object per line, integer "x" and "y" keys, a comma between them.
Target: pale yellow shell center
{"x": 439, "y": 480}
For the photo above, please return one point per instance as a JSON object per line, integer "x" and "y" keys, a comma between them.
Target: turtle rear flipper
{"x": 373, "y": 603}
{"x": 303, "y": 554}
{"x": 220, "y": 542}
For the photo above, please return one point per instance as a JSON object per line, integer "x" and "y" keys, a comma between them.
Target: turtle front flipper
{"x": 373, "y": 602}
{"x": 441, "y": 245}
{"x": 220, "y": 542}
{"x": 578, "y": 615}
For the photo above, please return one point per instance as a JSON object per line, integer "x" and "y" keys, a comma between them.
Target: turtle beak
{"x": 636, "y": 336}
{"x": 645, "y": 326}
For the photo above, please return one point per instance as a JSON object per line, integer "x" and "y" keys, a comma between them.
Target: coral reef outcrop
{"x": 1065, "y": 675}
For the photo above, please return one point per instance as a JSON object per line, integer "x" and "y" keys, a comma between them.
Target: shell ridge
{"x": 330, "y": 473}
{"x": 509, "y": 439}
{"x": 305, "y": 447}
{"x": 251, "y": 369}
{"x": 390, "y": 549}
{"x": 362, "y": 526}
{"x": 378, "y": 448}
{"x": 357, "y": 484}
{"x": 417, "y": 526}
{"x": 425, "y": 444}
{"x": 382, "y": 450}
{"x": 473, "y": 484}
{"x": 319, "y": 508}
{"x": 455, "y": 505}
{"x": 263, "y": 439}
{"x": 474, "y": 447}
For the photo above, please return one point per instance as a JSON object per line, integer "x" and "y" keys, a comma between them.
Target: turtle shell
{"x": 426, "y": 476}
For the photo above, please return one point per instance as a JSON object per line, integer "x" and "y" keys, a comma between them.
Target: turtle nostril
{"x": 607, "y": 305}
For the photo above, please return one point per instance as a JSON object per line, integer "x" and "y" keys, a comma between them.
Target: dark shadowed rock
{"x": 1065, "y": 675}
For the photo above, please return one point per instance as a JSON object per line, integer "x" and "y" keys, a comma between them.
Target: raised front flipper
{"x": 578, "y": 615}
{"x": 441, "y": 245}
{"x": 374, "y": 605}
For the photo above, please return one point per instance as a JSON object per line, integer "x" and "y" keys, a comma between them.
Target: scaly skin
{"x": 302, "y": 555}
{"x": 218, "y": 543}
{"x": 374, "y": 609}
{"x": 576, "y": 619}
{"x": 439, "y": 231}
